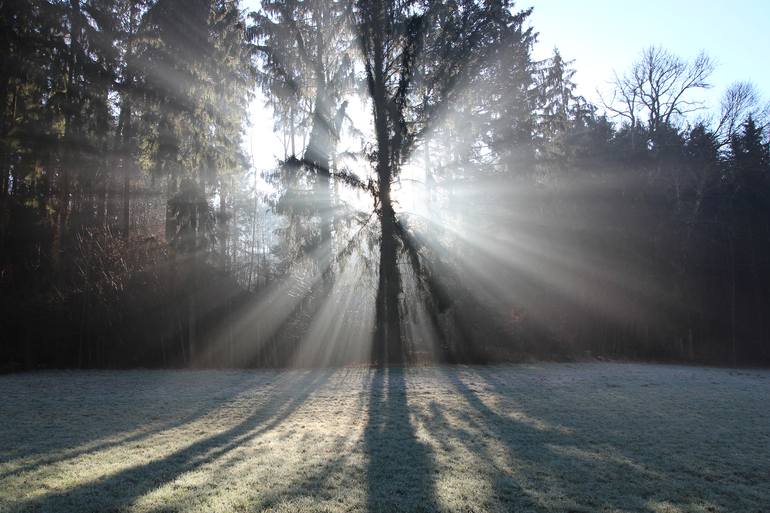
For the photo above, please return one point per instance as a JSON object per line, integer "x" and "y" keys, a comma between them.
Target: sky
{"x": 606, "y": 35}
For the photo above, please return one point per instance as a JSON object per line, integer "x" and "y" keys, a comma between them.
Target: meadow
{"x": 542, "y": 437}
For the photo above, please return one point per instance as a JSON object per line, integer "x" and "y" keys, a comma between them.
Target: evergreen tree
{"x": 558, "y": 104}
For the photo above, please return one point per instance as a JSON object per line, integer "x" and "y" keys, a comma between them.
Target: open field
{"x": 546, "y": 437}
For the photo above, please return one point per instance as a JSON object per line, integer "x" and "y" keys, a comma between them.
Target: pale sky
{"x": 602, "y": 35}
{"x": 606, "y": 35}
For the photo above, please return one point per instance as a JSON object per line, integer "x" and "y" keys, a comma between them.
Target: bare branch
{"x": 739, "y": 101}
{"x": 658, "y": 86}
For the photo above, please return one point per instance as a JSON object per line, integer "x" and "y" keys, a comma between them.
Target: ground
{"x": 547, "y": 437}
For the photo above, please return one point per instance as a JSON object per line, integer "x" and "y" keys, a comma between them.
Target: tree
{"x": 195, "y": 232}
{"x": 306, "y": 66}
{"x": 125, "y": 143}
{"x": 748, "y": 232}
{"x": 740, "y": 100}
{"x": 558, "y": 105}
{"x": 657, "y": 90}
{"x": 306, "y": 50}
{"x": 397, "y": 41}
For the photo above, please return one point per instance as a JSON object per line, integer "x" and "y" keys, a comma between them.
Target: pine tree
{"x": 558, "y": 105}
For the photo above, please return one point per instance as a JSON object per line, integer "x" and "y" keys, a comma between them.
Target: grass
{"x": 550, "y": 437}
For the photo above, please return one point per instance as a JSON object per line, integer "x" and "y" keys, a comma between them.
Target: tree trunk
{"x": 191, "y": 342}
{"x": 733, "y": 344}
{"x": 4, "y": 130}
{"x": 387, "y": 348}
{"x": 253, "y": 233}
{"x": 293, "y": 130}
{"x": 127, "y": 128}
{"x": 388, "y": 344}
{"x": 224, "y": 230}
{"x": 69, "y": 133}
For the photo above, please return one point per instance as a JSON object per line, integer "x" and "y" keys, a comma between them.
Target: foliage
{"x": 134, "y": 232}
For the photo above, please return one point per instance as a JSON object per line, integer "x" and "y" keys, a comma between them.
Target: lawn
{"x": 546, "y": 437}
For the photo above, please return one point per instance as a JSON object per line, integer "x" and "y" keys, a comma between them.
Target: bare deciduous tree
{"x": 739, "y": 101}
{"x": 657, "y": 89}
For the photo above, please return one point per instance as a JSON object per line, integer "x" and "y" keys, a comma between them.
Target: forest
{"x": 440, "y": 195}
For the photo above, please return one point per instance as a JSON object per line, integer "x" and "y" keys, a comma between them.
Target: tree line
{"x": 482, "y": 211}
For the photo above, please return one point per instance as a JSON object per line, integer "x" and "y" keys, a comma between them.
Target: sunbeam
{"x": 281, "y": 256}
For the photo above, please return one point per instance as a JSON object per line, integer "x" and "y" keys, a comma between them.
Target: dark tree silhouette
{"x": 481, "y": 212}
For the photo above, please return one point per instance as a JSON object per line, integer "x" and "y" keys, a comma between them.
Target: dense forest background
{"x": 442, "y": 195}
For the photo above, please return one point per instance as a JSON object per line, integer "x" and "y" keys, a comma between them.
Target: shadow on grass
{"x": 323, "y": 480}
{"x": 488, "y": 446}
{"x": 546, "y": 461}
{"x": 523, "y": 448}
{"x": 121, "y": 489}
{"x": 400, "y": 468}
{"x": 103, "y": 435}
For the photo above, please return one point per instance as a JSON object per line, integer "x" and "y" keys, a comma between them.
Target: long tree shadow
{"x": 123, "y": 488}
{"x": 545, "y": 461}
{"x": 530, "y": 444}
{"x": 324, "y": 483}
{"x": 400, "y": 468}
{"x": 107, "y": 435}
